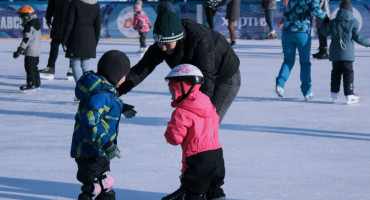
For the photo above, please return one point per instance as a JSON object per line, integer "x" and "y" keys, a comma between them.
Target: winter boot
{"x": 70, "y": 74}
{"x": 322, "y": 54}
{"x": 47, "y": 73}
{"x": 28, "y": 88}
{"x": 352, "y": 99}
{"x": 308, "y": 97}
{"x": 111, "y": 195}
{"x": 279, "y": 91}
{"x": 194, "y": 197}
{"x": 271, "y": 35}
{"x": 179, "y": 194}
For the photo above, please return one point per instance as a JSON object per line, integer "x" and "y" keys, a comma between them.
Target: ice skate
{"x": 70, "y": 74}
{"x": 334, "y": 96}
{"x": 322, "y": 54}
{"x": 352, "y": 99}
{"x": 141, "y": 52}
{"x": 28, "y": 88}
{"x": 232, "y": 43}
{"x": 179, "y": 194}
{"x": 271, "y": 35}
{"x": 308, "y": 97}
{"x": 279, "y": 91}
{"x": 47, "y": 73}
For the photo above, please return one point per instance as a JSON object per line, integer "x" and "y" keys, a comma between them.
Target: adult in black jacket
{"x": 56, "y": 15}
{"x": 82, "y": 34}
{"x": 194, "y": 44}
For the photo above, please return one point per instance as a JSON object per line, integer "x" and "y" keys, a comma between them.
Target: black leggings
{"x": 33, "y": 76}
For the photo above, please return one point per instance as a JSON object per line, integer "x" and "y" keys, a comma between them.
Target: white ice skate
{"x": 141, "y": 52}
{"x": 279, "y": 91}
{"x": 308, "y": 97}
{"x": 352, "y": 99}
{"x": 334, "y": 96}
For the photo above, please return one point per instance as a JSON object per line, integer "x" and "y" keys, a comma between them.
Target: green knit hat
{"x": 167, "y": 26}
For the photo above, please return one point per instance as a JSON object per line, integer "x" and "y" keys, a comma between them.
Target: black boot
{"x": 322, "y": 54}
{"x": 177, "y": 195}
{"x": 232, "y": 43}
{"x": 28, "y": 88}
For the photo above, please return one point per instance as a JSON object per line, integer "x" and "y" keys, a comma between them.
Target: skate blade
{"x": 28, "y": 91}
{"x": 47, "y": 77}
{"x": 70, "y": 78}
{"x": 353, "y": 102}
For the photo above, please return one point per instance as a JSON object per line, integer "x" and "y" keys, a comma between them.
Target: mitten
{"x": 112, "y": 151}
{"x": 128, "y": 111}
{"x": 17, "y": 53}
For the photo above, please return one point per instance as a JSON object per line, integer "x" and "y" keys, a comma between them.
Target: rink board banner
{"x": 117, "y": 18}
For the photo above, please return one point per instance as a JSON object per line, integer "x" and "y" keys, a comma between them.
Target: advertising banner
{"x": 117, "y": 18}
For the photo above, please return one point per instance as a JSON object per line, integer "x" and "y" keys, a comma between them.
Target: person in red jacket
{"x": 194, "y": 125}
{"x": 142, "y": 25}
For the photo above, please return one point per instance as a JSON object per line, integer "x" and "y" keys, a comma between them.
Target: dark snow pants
{"x": 210, "y": 14}
{"x": 344, "y": 68}
{"x": 225, "y": 93}
{"x": 90, "y": 171}
{"x": 142, "y": 39}
{"x": 205, "y": 174}
{"x": 33, "y": 76}
{"x": 53, "y": 54}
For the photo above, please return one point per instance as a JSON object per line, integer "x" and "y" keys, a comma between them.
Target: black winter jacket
{"x": 82, "y": 29}
{"x": 201, "y": 46}
{"x": 57, "y": 9}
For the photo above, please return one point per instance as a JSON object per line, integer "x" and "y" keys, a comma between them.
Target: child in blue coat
{"x": 94, "y": 141}
{"x": 344, "y": 29}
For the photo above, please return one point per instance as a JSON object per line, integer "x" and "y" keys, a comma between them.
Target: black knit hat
{"x": 113, "y": 66}
{"x": 167, "y": 26}
{"x": 346, "y": 4}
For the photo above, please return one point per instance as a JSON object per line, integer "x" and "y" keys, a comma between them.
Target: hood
{"x": 91, "y": 83}
{"x": 90, "y": 1}
{"x": 344, "y": 15}
{"x": 197, "y": 102}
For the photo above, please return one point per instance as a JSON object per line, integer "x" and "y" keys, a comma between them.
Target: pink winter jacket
{"x": 194, "y": 123}
{"x": 141, "y": 22}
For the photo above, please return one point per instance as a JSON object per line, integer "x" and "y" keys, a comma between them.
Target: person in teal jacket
{"x": 94, "y": 141}
{"x": 296, "y": 35}
{"x": 344, "y": 31}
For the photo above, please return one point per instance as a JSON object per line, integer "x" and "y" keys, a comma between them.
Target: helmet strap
{"x": 184, "y": 95}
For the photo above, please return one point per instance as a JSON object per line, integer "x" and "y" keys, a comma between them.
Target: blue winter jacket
{"x": 97, "y": 117}
{"x": 344, "y": 29}
{"x": 298, "y": 15}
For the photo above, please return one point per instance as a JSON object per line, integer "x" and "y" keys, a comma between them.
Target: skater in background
{"x": 81, "y": 35}
{"x": 194, "y": 125}
{"x": 94, "y": 141}
{"x": 30, "y": 47}
{"x": 269, "y": 6}
{"x": 344, "y": 30}
{"x": 232, "y": 14}
{"x": 142, "y": 24}
{"x": 323, "y": 41}
{"x": 184, "y": 41}
{"x": 210, "y": 8}
{"x": 296, "y": 35}
{"x": 56, "y": 16}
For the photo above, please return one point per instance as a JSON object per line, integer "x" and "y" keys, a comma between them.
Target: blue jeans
{"x": 290, "y": 42}
{"x": 269, "y": 19}
{"x": 79, "y": 66}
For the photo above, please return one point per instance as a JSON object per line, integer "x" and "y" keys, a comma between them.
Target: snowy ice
{"x": 274, "y": 149}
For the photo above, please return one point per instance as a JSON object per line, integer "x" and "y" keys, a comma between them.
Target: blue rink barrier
{"x": 117, "y": 18}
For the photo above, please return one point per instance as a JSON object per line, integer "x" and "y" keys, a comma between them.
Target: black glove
{"x": 17, "y": 53}
{"x": 112, "y": 151}
{"x": 128, "y": 111}
{"x": 327, "y": 19}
